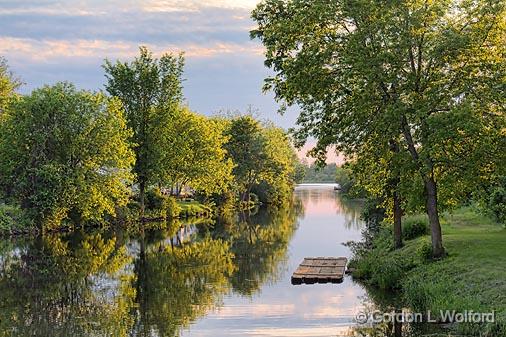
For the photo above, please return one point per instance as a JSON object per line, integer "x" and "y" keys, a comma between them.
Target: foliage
{"x": 344, "y": 178}
{"x": 299, "y": 173}
{"x": 8, "y": 86}
{"x": 195, "y": 154}
{"x": 281, "y": 160}
{"x": 424, "y": 250}
{"x": 318, "y": 174}
{"x": 263, "y": 157}
{"x": 160, "y": 205}
{"x": 246, "y": 148}
{"x": 415, "y": 72}
{"x": 471, "y": 278}
{"x": 64, "y": 155}
{"x": 151, "y": 92}
{"x": 192, "y": 209}
{"x": 493, "y": 199}
{"x": 415, "y": 226}
{"x": 13, "y": 220}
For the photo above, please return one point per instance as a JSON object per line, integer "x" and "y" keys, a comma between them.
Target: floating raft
{"x": 320, "y": 270}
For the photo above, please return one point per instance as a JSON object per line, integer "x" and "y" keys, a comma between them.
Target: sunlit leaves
{"x": 65, "y": 155}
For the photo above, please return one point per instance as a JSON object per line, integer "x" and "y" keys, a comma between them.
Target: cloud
{"x": 46, "y": 41}
{"x": 45, "y": 50}
{"x": 192, "y": 5}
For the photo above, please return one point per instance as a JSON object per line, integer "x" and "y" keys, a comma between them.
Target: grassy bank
{"x": 472, "y": 277}
{"x": 192, "y": 208}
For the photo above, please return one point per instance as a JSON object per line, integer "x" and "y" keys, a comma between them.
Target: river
{"x": 224, "y": 278}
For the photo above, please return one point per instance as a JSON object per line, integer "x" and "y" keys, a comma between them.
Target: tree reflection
{"x": 139, "y": 283}
{"x": 259, "y": 242}
{"x": 178, "y": 283}
{"x": 48, "y": 288}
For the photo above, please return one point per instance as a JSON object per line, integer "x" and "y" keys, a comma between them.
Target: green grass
{"x": 191, "y": 208}
{"x": 471, "y": 277}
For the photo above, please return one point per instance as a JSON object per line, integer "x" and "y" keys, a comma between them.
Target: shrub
{"x": 12, "y": 220}
{"x": 414, "y": 227}
{"x": 160, "y": 205}
{"x": 424, "y": 250}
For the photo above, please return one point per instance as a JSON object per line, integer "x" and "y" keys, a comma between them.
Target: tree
{"x": 195, "y": 155}
{"x": 64, "y": 154}
{"x": 8, "y": 85}
{"x": 421, "y": 72}
{"x": 300, "y": 172}
{"x": 151, "y": 92}
{"x": 278, "y": 176}
{"x": 246, "y": 148}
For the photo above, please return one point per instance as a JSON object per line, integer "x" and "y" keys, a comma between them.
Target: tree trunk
{"x": 397, "y": 208}
{"x": 397, "y": 220}
{"x": 142, "y": 193}
{"x": 431, "y": 194}
{"x": 435, "y": 227}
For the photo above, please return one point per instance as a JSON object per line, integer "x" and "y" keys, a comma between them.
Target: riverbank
{"x": 14, "y": 221}
{"x": 471, "y": 277}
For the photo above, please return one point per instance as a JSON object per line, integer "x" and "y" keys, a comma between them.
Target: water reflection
{"x": 228, "y": 277}
{"x": 152, "y": 283}
{"x": 57, "y": 285}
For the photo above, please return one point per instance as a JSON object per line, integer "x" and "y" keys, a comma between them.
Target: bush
{"x": 497, "y": 204}
{"x": 414, "y": 227}
{"x": 13, "y": 220}
{"x": 424, "y": 250}
{"x": 160, "y": 205}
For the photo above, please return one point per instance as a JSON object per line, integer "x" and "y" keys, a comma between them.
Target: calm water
{"x": 227, "y": 278}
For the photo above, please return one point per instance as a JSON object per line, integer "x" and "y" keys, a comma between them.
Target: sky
{"x": 46, "y": 41}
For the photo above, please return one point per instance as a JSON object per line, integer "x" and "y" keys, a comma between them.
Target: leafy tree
{"x": 427, "y": 73}
{"x": 8, "y": 85}
{"x": 320, "y": 173}
{"x": 64, "y": 154}
{"x": 300, "y": 172}
{"x": 344, "y": 178}
{"x": 278, "y": 176}
{"x": 264, "y": 159}
{"x": 151, "y": 92}
{"x": 195, "y": 154}
{"x": 246, "y": 148}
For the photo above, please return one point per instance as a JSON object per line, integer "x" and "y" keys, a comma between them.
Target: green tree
{"x": 427, "y": 73}
{"x": 319, "y": 173}
{"x": 8, "y": 85}
{"x": 278, "y": 176}
{"x": 344, "y": 178}
{"x": 300, "y": 172}
{"x": 195, "y": 155}
{"x": 151, "y": 92}
{"x": 246, "y": 148}
{"x": 64, "y": 154}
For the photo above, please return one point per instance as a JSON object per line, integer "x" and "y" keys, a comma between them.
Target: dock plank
{"x": 320, "y": 270}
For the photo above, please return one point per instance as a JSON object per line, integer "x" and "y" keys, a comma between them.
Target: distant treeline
{"x": 315, "y": 174}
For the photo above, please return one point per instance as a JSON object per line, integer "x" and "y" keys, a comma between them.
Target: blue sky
{"x": 47, "y": 41}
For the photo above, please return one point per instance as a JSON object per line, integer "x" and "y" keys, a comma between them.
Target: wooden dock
{"x": 320, "y": 270}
